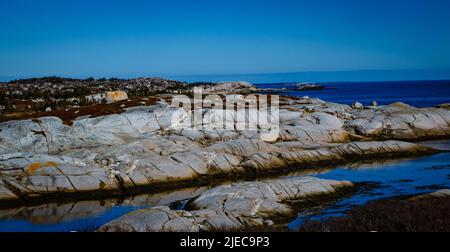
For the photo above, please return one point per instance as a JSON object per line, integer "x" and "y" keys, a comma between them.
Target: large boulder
{"x": 108, "y": 97}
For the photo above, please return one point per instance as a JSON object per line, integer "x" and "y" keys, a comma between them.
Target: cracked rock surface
{"x": 148, "y": 145}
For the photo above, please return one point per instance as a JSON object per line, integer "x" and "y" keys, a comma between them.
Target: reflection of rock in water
{"x": 356, "y": 165}
{"x": 374, "y": 163}
{"x": 308, "y": 172}
{"x": 438, "y": 144}
{"x": 55, "y": 213}
{"x": 59, "y": 212}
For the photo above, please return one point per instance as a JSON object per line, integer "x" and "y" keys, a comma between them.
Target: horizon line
{"x": 446, "y": 71}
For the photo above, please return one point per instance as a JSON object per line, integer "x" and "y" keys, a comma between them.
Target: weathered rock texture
{"x": 231, "y": 207}
{"x": 402, "y": 122}
{"x": 148, "y": 146}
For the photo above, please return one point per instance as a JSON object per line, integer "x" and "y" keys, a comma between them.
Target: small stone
{"x": 48, "y": 109}
{"x": 268, "y": 223}
{"x": 357, "y": 105}
{"x": 374, "y": 104}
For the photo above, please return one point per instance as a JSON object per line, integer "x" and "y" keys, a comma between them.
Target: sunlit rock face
{"x": 150, "y": 145}
{"x": 108, "y": 97}
{"x": 229, "y": 207}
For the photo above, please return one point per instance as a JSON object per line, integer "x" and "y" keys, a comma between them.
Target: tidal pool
{"x": 388, "y": 178}
{"x": 384, "y": 179}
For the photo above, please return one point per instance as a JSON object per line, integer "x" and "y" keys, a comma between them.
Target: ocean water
{"x": 415, "y": 93}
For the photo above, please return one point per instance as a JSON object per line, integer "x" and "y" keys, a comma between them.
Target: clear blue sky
{"x": 126, "y": 38}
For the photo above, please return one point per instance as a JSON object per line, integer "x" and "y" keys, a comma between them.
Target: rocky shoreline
{"x": 44, "y": 159}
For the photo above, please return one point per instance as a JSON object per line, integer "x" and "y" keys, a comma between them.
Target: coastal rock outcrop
{"x": 144, "y": 163}
{"x": 309, "y": 86}
{"x": 334, "y": 154}
{"x": 150, "y": 145}
{"x": 402, "y": 122}
{"x": 230, "y": 86}
{"x": 228, "y": 207}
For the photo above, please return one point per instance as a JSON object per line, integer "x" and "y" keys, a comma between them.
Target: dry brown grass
{"x": 392, "y": 215}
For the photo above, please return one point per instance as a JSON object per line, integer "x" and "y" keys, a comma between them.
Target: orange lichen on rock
{"x": 31, "y": 168}
{"x": 115, "y": 96}
{"x": 51, "y": 163}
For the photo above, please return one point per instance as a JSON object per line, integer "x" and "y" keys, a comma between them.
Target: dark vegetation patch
{"x": 202, "y": 84}
{"x": 31, "y": 98}
{"x": 389, "y": 215}
{"x": 93, "y": 110}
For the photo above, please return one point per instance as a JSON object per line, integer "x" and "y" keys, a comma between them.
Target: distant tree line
{"x": 60, "y": 80}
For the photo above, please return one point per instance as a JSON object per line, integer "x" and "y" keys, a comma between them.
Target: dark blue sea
{"x": 415, "y": 93}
